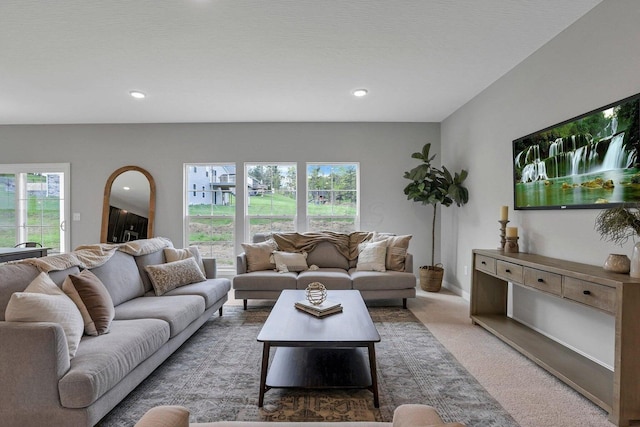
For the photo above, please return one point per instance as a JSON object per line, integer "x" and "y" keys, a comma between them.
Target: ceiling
{"x": 75, "y": 61}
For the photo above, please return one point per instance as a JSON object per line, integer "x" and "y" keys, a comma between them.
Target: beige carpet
{"x": 532, "y": 396}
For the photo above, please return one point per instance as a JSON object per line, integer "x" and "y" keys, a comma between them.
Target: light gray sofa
{"x": 408, "y": 415}
{"x": 41, "y": 386}
{"x": 334, "y": 271}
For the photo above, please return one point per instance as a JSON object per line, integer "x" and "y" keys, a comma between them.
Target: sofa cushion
{"x": 259, "y": 255}
{"x": 103, "y": 361}
{"x": 171, "y": 275}
{"x": 121, "y": 277}
{"x": 14, "y": 278}
{"x": 290, "y": 261}
{"x": 372, "y": 280}
{"x": 326, "y": 255}
{"x": 397, "y": 247}
{"x": 372, "y": 256}
{"x": 179, "y": 311}
{"x": 165, "y": 416}
{"x": 212, "y": 290}
{"x": 43, "y": 301}
{"x": 154, "y": 258}
{"x": 265, "y": 281}
{"x": 93, "y": 301}
{"x": 331, "y": 278}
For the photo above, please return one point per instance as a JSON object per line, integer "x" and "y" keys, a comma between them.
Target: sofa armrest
{"x": 241, "y": 263}
{"x": 33, "y": 358}
{"x": 165, "y": 416}
{"x": 415, "y": 415}
{"x": 210, "y": 268}
{"x": 408, "y": 263}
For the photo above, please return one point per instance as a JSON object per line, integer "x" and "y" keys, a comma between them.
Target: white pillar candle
{"x": 504, "y": 213}
{"x": 512, "y": 231}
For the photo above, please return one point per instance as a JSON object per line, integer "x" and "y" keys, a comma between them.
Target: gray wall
{"x": 95, "y": 151}
{"x": 594, "y": 62}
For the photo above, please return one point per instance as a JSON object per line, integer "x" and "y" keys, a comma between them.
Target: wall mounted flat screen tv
{"x": 590, "y": 161}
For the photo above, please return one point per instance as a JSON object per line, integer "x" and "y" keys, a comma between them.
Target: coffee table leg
{"x": 374, "y": 374}
{"x": 263, "y": 373}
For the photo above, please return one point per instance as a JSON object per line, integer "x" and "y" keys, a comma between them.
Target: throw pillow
{"x": 93, "y": 300}
{"x": 43, "y": 301}
{"x": 165, "y": 277}
{"x": 372, "y": 256}
{"x": 259, "y": 255}
{"x": 397, "y": 247}
{"x": 290, "y": 261}
{"x": 173, "y": 254}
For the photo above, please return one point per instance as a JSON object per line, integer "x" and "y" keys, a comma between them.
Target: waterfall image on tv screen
{"x": 590, "y": 161}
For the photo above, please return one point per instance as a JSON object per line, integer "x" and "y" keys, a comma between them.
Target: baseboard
{"x": 457, "y": 290}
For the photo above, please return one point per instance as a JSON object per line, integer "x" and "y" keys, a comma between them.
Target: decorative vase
{"x": 635, "y": 261}
{"x": 617, "y": 263}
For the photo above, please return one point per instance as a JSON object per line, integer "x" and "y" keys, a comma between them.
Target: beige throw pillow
{"x": 290, "y": 261}
{"x": 259, "y": 255}
{"x": 43, "y": 301}
{"x": 92, "y": 299}
{"x": 397, "y": 247}
{"x": 166, "y": 277}
{"x": 173, "y": 254}
{"x": 371, "y": 256}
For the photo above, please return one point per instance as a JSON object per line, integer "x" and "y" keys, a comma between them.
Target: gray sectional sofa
{"x": 334, "y": 270}
{"x": 42, "y": 385}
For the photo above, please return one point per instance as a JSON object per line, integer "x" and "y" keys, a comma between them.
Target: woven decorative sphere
{"x": 316, "y": 293}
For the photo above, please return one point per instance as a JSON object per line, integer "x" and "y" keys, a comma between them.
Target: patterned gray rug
{"x": 216, "y": 375}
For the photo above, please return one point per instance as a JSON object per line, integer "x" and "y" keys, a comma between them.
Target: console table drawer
{"x": 543, "y": 280}
{"x": 509, "y": 271}
{"x": 485, "y": 263}
{"x": 592, "y": 294}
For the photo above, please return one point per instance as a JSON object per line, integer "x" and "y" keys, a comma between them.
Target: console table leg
{"x": 374, "y": 374}
{"x": 266, "y": 348}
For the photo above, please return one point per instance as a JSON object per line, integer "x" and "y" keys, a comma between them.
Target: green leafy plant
{"x": 434, "y": 186}
{"x": 618, "y": 224}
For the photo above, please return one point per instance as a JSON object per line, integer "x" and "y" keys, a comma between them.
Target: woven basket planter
{"x": 431, "y": 277}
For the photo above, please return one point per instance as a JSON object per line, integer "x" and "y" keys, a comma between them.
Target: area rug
{"x": 216, "y": 374}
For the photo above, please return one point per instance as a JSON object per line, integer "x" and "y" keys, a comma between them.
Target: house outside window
{"x": 271, "y": 204}
{"x": 34, "y": 206}
{"x": 210, "y": 210}
{"x": 332, "y": 197}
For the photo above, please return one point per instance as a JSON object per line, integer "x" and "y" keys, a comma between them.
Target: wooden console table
{"x": 617, "y": 392}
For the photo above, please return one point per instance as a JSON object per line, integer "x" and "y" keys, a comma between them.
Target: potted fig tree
{"x": 432, "y": 185}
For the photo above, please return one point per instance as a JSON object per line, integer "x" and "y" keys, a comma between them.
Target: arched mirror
{"x": 129, "y": 205}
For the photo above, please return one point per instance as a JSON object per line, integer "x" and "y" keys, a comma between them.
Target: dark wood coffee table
{"x": 317, "y": 352}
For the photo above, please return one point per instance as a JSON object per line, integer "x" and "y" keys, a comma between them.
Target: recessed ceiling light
{"x": 137, "y": 94}
{"x": 360, "y": 93}
{"x": 126, "y": 188}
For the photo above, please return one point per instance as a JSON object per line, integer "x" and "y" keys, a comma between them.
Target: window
{"x": 271, "y": 197}
{"x": 332, "y": 197}
{"x": 210, "y": 203}
{"x": 33, "y": 206}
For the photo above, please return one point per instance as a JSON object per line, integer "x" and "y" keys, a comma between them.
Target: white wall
{"x": 95, "y": 151}
{"x": 594, "y": 62}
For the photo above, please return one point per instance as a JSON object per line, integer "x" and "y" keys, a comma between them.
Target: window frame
{"x": 309, "y": 217}
{"x": 65, "y": 207}
{"x": 247, "y": 217}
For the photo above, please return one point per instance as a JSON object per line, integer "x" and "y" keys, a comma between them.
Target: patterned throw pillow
{"x": 290, "y": 261}
{"x": 92, "y": 299}
{"x": 372, "y": 256}
{"x": 259, "y": 255}
{"x": 43, "y": 301}
{"x": 166, "y": 277}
